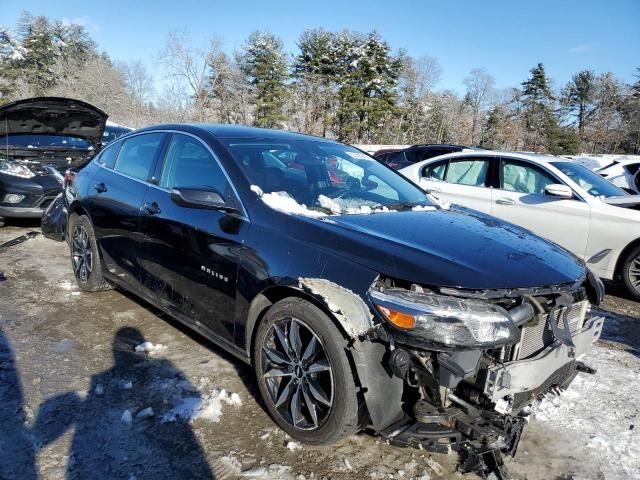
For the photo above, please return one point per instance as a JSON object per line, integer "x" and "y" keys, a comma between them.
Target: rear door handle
{"x": 151, "y": 208}
{"x": 100, "y": 187}
{"x": 505, "y": 201}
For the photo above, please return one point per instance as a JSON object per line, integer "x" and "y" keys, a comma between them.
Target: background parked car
{"x": 625, "y": 173}
{"x": 113, "y": 131}
{"x": 416, "y": 153}
{"x": 555, "y": 198}
{"x": 41, "y": 138}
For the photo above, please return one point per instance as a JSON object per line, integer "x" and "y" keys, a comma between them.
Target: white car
{"x": 623, "y": 173}
{"x": 560, "y": 200}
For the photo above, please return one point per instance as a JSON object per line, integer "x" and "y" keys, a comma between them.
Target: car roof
{"x": 237, "y": 131}
{"x": 532, "y": 157}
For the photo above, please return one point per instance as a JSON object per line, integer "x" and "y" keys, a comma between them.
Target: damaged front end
{"x": 472, "y": 362}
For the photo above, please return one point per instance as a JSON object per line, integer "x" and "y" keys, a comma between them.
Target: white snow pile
{"x": 350, "y": 207}
{"x": 293, "y": 446}
{"x": 150, "y": 348}
{"x": 601, "y": 413}
{"x": 206, "y": 407}
{"x": 285, "y": 203}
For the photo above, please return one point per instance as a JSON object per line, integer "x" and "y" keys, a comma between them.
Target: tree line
{"x": 345, "y": 85}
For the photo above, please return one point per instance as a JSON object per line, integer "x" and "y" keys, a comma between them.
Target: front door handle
{"x": 434, "y": 189}
{"x": 100, "y": 187}
{"x": 505, "y": 201}
{"x": 151, "y": 208}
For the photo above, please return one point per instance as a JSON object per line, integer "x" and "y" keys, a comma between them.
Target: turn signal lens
{"x": 399, "y": 319}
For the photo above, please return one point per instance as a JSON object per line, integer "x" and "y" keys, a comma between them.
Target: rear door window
{"x": 137, "y": 155}
{"x": 468, "y": 171}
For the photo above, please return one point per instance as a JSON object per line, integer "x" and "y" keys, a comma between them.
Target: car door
{"x": 462, "y": 180}
{"x": 521, "y": 199}
{"x": 188, "y": 255}
{"x": 115, "y": 195}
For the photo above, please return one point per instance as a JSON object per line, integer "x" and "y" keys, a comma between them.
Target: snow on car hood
{"x": 453, "y": 248}
{"x": 53, "y": 116}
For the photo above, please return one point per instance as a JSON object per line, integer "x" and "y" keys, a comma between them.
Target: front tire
{"x": 631, "y": 273}
{"x": 85, "y": 258}
{"x": 304, "y": 374}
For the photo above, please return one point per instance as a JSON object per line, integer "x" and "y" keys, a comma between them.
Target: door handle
{"x": 151, "y": 208}
{"x": 505, "y": 201}
{"x": 100, "y": 187}
{"x": 434, "y": 189}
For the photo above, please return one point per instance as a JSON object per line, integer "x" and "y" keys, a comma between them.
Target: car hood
{"x": 626, "y": 201}
{"x": 454, "y": 248}
{"x": 53, "y": 116}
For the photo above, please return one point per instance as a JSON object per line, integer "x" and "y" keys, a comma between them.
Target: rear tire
{"x": 304, "y": 374}
{"x": 631, "y": 273}
{"x": 85, "y": 258}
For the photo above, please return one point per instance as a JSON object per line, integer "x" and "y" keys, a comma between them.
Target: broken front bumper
{"x": 523, "y": 380}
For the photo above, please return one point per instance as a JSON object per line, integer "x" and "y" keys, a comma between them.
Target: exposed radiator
{"x": 536, "y": 337}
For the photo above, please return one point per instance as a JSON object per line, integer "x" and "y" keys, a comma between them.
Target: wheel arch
{"x": 623, "y": 256}
{"x": 269, "y": 296}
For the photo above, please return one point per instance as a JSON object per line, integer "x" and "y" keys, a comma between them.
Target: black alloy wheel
{"x": 81, "y": 254}
{"x": 297, "y": 374}
{"x": 304, "y": 373}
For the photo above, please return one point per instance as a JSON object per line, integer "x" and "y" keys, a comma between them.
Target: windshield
{"x": 36, "y": 141}
{"x": 593, "y": 183}
{"x": 323, "y": 175}
{"x": 112, "y": 132}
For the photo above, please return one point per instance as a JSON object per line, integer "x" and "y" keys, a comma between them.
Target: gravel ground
{"x": 78, "y": 402}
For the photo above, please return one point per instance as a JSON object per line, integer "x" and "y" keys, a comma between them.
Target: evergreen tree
{"x": 539, "y": 117}
{"x": 314, "y": 71}
{"x": 578, "y": 97}
{"x": 265, "y": 66}
{"x": 367, "y": 79}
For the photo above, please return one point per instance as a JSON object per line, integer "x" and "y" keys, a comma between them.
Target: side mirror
{"x": 196, "y": 198}
{"x": 559, "y": 190}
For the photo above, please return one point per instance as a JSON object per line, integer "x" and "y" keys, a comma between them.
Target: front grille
{"x": 558, "y": 378}
{"x": 536, "y": 337}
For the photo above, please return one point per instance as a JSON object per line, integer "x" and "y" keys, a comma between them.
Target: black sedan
{"x": 361, "y": 301}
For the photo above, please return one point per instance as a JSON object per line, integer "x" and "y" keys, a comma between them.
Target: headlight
{"x": 446, "y": 320}
{"x": 16, "y": 169}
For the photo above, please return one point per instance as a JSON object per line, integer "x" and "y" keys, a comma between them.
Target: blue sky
{"x": 506, "y": 37}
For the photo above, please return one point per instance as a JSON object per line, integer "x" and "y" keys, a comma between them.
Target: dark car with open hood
{"x": 39, "y": 139}
{"x": 361, "y": 301}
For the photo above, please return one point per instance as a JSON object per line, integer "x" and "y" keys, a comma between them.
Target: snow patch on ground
{"x": 207, "y": 407}
{"x": 150, "y": 348}
{"x": 602, "y": 413}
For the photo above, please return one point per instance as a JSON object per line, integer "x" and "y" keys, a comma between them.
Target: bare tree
{"x": 139, "y": 85}
{"x": 480, "y": 88}
{"x": 188, "y": 66}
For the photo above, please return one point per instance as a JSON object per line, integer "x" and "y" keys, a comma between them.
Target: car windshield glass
{"x": 323, "y": 175}
{"x": 35, "y": 141}
{"x": 590, "y": 181}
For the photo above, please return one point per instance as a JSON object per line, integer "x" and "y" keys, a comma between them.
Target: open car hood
{"x": 53, "y": 116}
{"x": 626, "y": 201}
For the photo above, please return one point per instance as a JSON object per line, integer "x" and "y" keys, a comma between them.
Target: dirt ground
{"x": 76, "y": 396}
